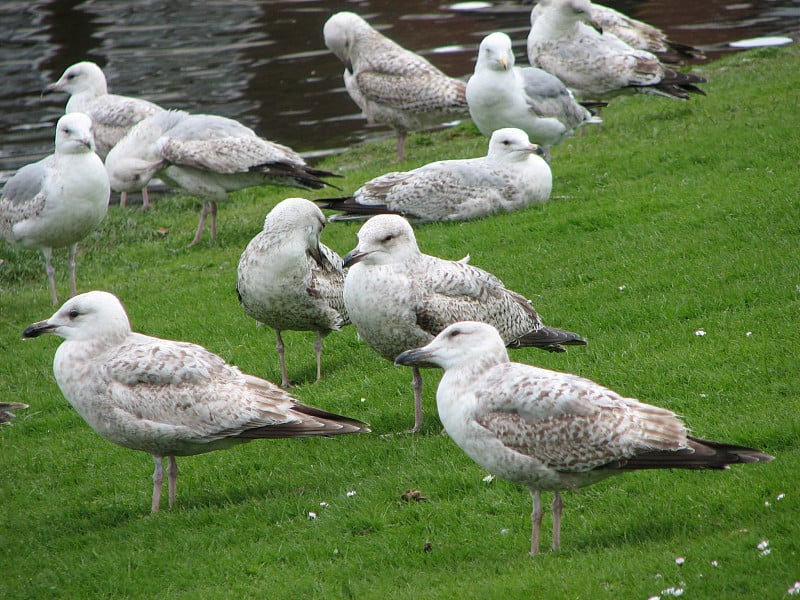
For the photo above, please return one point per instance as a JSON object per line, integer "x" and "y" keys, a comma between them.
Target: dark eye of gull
{"x": 73, "y": 314}
{"x": 388, "y": 237}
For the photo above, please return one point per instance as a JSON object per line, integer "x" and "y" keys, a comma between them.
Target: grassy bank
{"x": 676, "y": 217}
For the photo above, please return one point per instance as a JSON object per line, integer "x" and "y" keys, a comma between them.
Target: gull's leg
{"x": 318, "y": 350}
{"x": 51, "y": 272}
{"x": 172, "y": 473}
{"x": 158, "y": 478}
{"x": 73, "y": 252}
{"x": 279, "y": 348}
{"x": 536, "y": 520}
{"x": 213, "y": 221}
{"x": 123, "y": 199}
{"x": 416, "y": 385}
{"x": 401, "y": 144}
{"x": 145, "y": 198}
{"x": 558, "y": 504}
{"x": 202, "y": 224}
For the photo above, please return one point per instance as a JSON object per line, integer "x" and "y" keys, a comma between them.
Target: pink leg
{"x": 558, "y": 504}
{"x": 213, "y": 221}
{"x": 202, "y": 224}
{"x": 536, "y": 520}
{"x": 318, "y": 350}
{"x": 416, "y": 385}
{"x": 51, "y": 274}
{"x": 401, "y": 144}
{"x": 123, "y": 199}
{"x": 158, "y": 478}
{"x": 279, "y": 347}
{"x": 145, "y": 198}
{"x": 172, "y": 473}
{"x": 73, "y": 288}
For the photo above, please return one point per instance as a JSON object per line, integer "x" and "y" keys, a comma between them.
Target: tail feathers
{"x": 352, "y": 210}
{"x": 551, "y": 339}
{"x": 311, "y": 421}
{"x": 701, "y": 454}
{"x": 680, "y": 85}
{"x": 301, "y": 176}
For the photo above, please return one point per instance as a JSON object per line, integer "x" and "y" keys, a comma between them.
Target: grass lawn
{"x": 675, "y": 218}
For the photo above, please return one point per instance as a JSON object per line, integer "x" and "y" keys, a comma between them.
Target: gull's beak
{"x": 536, "y": 149}
{"x": 416, "y": 357}
{"x": 595, "y": 25}
{"x": 37, "y": 329}
{"x": 53, "y": 87}
{"x": 353, "y": 257}
{"x": 503, "y": 62}
{"x": 348, "y": 64}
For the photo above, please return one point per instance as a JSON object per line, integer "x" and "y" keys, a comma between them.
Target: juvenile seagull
{"x": 206, "y": 156}
{"x": 562, "y": 41}
{"x": 500, "y": 94}
{"x": 390, "y": 84}
{"x": 112, "y": 116}
{"x": 510, "y": 177}
{"x": 399, "y": 298}
{"x": 548, "y": 430}
{"x": 58, "y": 200}
{"x": 288, "y": 279}
{"x": 637, "y": 34}
{"x": 164, "y": 397}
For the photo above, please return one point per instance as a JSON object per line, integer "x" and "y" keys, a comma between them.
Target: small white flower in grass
{"x": 765, "y": 552}
{"x": 714, "y": 563}
{"x": 700, "y": 332}
{"x": 312, "y": 515}
{"x": 324, "y": 504}
{"x": 780, "y": 496}
{"x": 672, "y": 591}
{"x": 794, "y": 590}
{"x": 763, "y": 545}
{"x": 351, "y": 493}
{"x": 504, "y": 531}
{"x": 622, "y": 287}
{"x": 767, "y": 503}
{"x": 363, "y": 399}
{"x": 704, "y": 395}
{"x": 749, "y": 333}
{"x": 654, "y": 598}
{"x": 489, "y": 478}
{"x": 680, "y": 560}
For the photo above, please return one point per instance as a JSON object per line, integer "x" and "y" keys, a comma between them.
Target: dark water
{"x": 265, "y": 64}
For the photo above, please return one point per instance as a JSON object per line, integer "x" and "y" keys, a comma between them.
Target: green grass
{"x": 691, "y": 206}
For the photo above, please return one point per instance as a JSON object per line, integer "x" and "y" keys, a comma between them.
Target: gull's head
{"x": 384, "y": 239}
{"x": 511, "y": 143}
{"x": 130, "y": 174}
{"x": 79, "y": 78}
{"x": 74, "y": 134}
{"x": 93, "y": 315}
{"x": 460, "y": 344}
{"x": 296, "y": 217}
{"x": 574, "y": 11}
{"x": 340, "y": 32}
{"x": 495, "y": 53}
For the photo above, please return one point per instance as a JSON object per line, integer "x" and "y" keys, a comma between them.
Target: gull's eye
{"x": 73, "y": 314}
{"x": 454, "y": 333}
{"x": 388, "y": 238}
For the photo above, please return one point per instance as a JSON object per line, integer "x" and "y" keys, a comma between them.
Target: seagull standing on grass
{"x": 636, "y": 34}
{"x": 288, "y": 279}
{"x": 510, "y": 177}
{"x": 164, "y": 397}
{"x": 59, "y": 200}
{"x": 206, "y": 156}
{"x": 548, "y": 430}
{"x": 112, "y": 116}
{"x": 399, "y": 298}
{"x": 500, "y": 94}
{"x": 390, "y": 84}
{"x": 564, "y": 41}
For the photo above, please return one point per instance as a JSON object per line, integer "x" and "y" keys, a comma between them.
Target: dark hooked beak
{"x": 37, "y": 329}
{"x": 417, "y": 357}
{"x": 353, "y": 257}
{"x": 50, "y": 89}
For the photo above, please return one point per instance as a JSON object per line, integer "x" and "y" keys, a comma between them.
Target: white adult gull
{"x": 510, "y": 177}
{"x": 399, "y": 298}
{"x": 58, "y": 200}
{"x": 500, "y": 95}
{"x": 549, "y": 430}
{"x": 112, "y": 115}
{"x": 206, "y": 156}
{"x": 392, "y": 85}
{"x": 164, "y": 397}
{"x": 289, "y": 280}
{"x": 565, "y": 42}
{"x": 636, "y": 34}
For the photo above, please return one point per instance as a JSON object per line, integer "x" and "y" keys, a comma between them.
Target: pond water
{"x": 264, "y": 62}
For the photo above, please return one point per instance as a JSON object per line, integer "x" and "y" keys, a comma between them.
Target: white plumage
{"x": 164, "y": 397}
{"x": 58, "y": 200}
{"x": 288, "y": 279}
{"x": 564, "y": 42}
{"x": 392, "y": 85}
{"x": 206, "y": 156}
{"x": 500, "y": 95}
{"x": 399, "y": 298}
{"x": 548, "y": 430}
{"x": 510, "y": 177}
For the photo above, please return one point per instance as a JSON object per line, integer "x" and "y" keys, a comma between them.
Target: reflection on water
{"x": 264, "y": 62}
